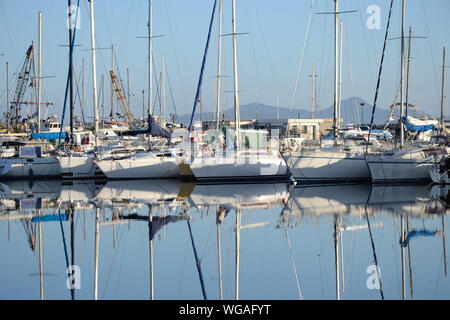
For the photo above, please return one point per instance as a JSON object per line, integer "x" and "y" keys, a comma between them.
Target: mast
{"x": 7, "y": 97}
{"x": 340, "y": 77}
{"x": 71, "y": 70}
{"x": 407, "y": 72}
{"x": 402, "y": 102}
{"x": 111, "y": 114}
{"x": 94, "y": 72}
{"x": 150, "y": 70}
{"x": 163, "y": 89}
{"x": 313, "y": 104}
{"x": 82, "y": 84}
{"x": 38, "y": 129}
{"x": 219, "y": 58}
{"x": 236, "y": 88}
{"x": 336, "y": 71}
{"x": 442, "y": 93}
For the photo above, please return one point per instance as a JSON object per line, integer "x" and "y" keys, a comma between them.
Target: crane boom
{"x": 23, "y": 82}
{"x": 121, "y": 98}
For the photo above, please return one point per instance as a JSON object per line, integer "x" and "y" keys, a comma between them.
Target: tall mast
{"x": 111, "y": 114}
{"x": 71, "y": 69}
{"x": 236, "y": 88}
{"x": 7, "y": 97}
{"x": 219, "y": 58}
{"x": 82, "y": 83}
{"x": 407, "y": 72}
{"x": 39, "y": 73}
{"x": 340, "y": 78}
{"x": 150, "y": 70}
{"x": 94, "y": 72}
{"x": 313, "y": 104}
{"x": 442, "y": 93}
{"x": 163, "y": 89}
{"x": 402, "y": 102}
{"x": 336, "y": 71}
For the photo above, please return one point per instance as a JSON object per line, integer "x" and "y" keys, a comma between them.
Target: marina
{"x": 183, "y": 184}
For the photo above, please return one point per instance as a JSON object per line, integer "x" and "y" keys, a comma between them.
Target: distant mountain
{"x": 352, "y": 110}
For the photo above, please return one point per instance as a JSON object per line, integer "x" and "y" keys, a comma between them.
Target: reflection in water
{"x": 314, "y": 242}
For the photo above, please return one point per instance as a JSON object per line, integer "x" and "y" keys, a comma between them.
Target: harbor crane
{"x": 23, "y": 82}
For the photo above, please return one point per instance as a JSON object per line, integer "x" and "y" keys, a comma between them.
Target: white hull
{"x": 30, "y": 168}
{"x": 243, "y": 166}
{"x": 79, "y": 167}
{"x": 404, "y": 166}
{"x": 327, "y": 166}
{"x": 144, "y": 165}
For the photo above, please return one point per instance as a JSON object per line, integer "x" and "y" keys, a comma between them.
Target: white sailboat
{"x": 405, "y": 164}
{"x": 143, "y": 165}
{"x": 238, "y": 164}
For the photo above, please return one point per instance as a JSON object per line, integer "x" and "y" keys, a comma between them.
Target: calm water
{"x": 167, "y": 240}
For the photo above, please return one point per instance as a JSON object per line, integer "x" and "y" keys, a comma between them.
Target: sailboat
{"x": 335, "y": 164}
{"x": 406, "y": 163}
{"x": 236, "y": 162}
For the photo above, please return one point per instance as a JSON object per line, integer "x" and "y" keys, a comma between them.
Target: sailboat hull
{"x": 141, "y": 166}
{"x": 244, "y": 167}
{"x": 404, "y": 166}
{"x": 79, "y": 167}
{"x": 29, "y": 168}
{"x": 327, "y": 167}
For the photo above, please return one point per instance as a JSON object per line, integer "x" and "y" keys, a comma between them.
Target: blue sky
{"x": 268, "y": 56}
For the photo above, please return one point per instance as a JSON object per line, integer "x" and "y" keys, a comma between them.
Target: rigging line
{"x": 322, "y": 79}
{"x": 293, "y": 264}
{"x": 258, "y": 74}
{"x": 302, "y": 53}
{"x": 265, "y": 49}
{"x": 79, "y": 99}
{"x": 379, "y": 78}
{"x": 112, "y": 264}
{"x": 157, "y": 96}
{"x": 175, "y": 51}
{"x": 171, "y": 93}
{"x": 69, "y": 73}
{"x": 197, "y": 262}
{"x": 2, "y": 11}
{"x": 363, "y": 27}
{"x": 374, "y": 253}
{"x": 431, "y": 48}
{"x": 197, "y": 95}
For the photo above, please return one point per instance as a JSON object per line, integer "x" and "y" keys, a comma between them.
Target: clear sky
{"x": 268, "y": 56}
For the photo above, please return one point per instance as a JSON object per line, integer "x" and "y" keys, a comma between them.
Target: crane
{"x": 121, "y": 98}
{"x": 23, "y": 82}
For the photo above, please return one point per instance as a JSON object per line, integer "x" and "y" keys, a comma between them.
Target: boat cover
{"x": 417, "y": 128}
{"x": 153, "y": 129}
{"x": 50, "y": 136}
